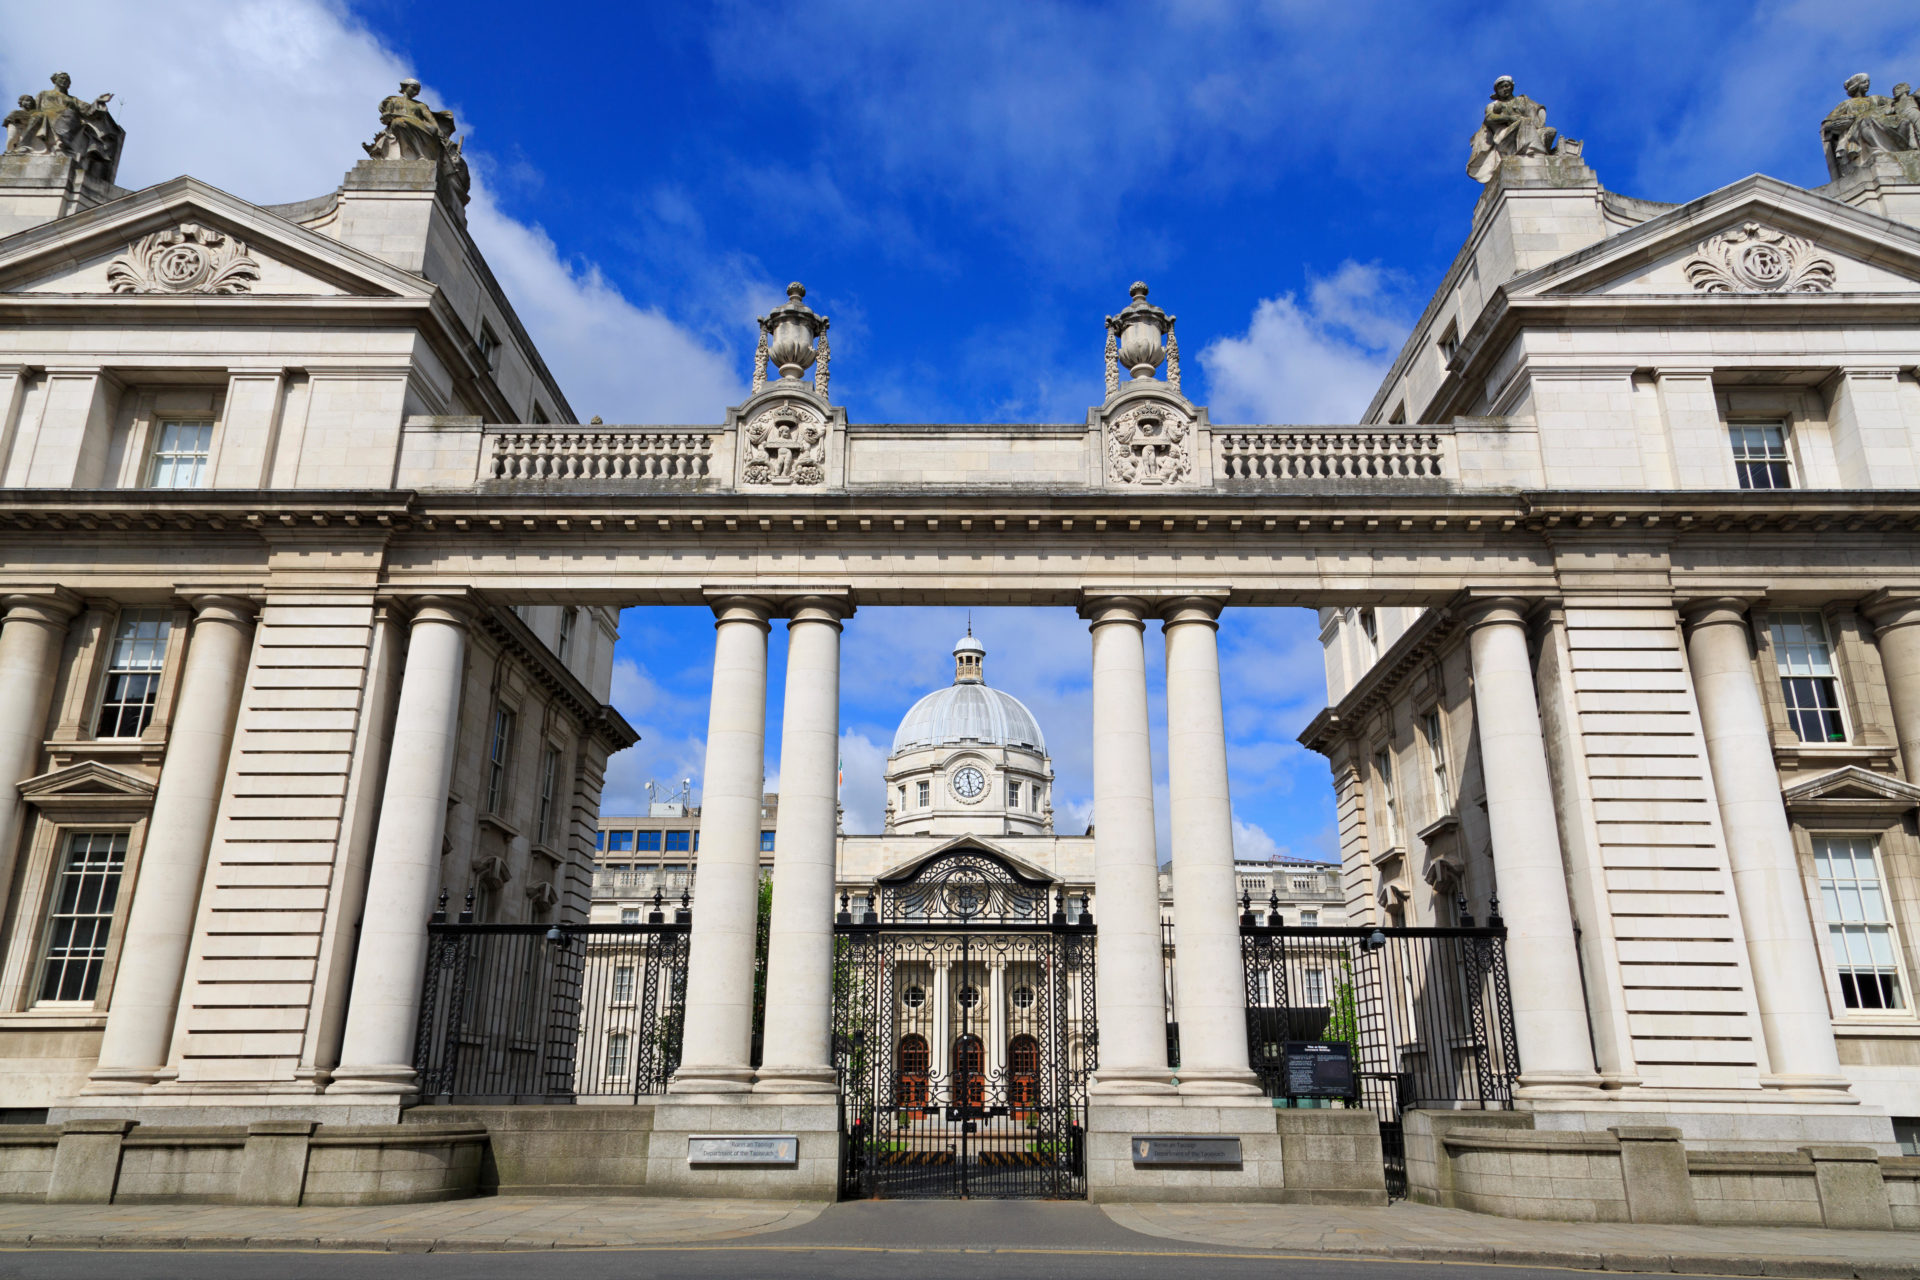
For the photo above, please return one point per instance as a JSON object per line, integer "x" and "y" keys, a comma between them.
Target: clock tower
{"x": 969, "y": 760}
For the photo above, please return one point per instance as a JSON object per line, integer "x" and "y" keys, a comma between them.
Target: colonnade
{"x": 1549, "y": 1006}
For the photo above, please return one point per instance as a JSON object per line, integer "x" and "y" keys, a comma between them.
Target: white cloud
{"x": 863, "y": 795}
{"x": 1312, "y": 361}
{"x": 271, "y": 99}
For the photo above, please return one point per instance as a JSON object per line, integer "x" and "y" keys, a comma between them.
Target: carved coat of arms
{"x": 1150, "y": 445}
{"x": 188, "y": 258}
{"x": 786, "y": 444}
{"x": 1757, "y": 259}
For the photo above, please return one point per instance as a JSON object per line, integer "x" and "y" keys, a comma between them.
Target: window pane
{"x": 1808, "y": 681}
{"x": 679, "y": 841}
{"x": 81, "y": 917}
{"x": 180, "y": 455}
{"x": 1760, "y": 455}
{"x": 1859, "y": 932}
{"x": 647, "y": 841}
{"x": 133, "y": 673}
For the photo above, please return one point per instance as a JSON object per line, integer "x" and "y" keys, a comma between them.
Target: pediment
{"x": 1852, "y": 789}
{"x": 88, "y": 780}
{"x": 186, "y": 239}
{"x": 906, "y": 867}
{"x": 1756, "y": 238}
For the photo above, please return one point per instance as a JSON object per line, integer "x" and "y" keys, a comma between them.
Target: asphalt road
{"x": 1004, "y": 1240}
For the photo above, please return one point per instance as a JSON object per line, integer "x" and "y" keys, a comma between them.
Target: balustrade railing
{"x": 1280, "y": 453}
{"x": 593, "y": 453}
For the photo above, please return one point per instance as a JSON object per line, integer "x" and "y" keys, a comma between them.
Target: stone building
{"x": 311, "y": 586}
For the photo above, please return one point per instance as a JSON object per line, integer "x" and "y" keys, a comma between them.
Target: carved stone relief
{"x": 1150, "y": 445}
{"x": 189, "y": 258}
{"x": 786, "y": 445}
{"x": 1757, "y": 259}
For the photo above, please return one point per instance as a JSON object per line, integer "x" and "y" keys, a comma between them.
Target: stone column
{"x": 798, "y": 1056}
{"x": 1894, "y": 619}
{"x": 717, "y": 1045}
{"x": 1131, "y": 1009}
{"x": 383, "y": 1010}
{"x": 30, "y": 642}
{"x": 1766, "y": 874}
{"x": 1209, "y": 981}
{"x": 133, "y": 1049}
{"x": 1549, "y": 1010}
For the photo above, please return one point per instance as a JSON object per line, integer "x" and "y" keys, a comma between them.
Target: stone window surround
{"x": 20, "y": 964}
{"x": 1801, "y": 411}
{"x": 1856, "y": 671}
{"x": 84, "y": 680}
{"x": 1894, "y": 843}
{"x": 142, "y": 426}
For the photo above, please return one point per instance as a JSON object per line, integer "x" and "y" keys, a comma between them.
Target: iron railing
{"x": 551, "y": 1014}
{"x": 1426, "y": 1013}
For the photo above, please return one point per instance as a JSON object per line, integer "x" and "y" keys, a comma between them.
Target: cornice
{"x": 596, "y": 718}
{"x": 1419, "y": 642}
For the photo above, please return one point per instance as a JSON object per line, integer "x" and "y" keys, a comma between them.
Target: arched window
{"x": 969, "y": 1071}
{"x": 1023, "y": 1065}
{"x": 915, "y": 1060}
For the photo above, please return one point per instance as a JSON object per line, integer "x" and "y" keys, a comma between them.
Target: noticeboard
{"x": 1318, "y": 1069}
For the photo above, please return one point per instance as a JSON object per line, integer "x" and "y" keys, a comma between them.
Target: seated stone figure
{"x": 1513, "y": 125}
{"x": 56, "y": 122}
{"x": 411, "y": 130}
{"x": 1865, "y": 124}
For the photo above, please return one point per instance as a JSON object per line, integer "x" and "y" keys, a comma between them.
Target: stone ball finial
{"x": 1857, "y": 84}
{"x": 1139, "y": 290}
{"x": 796, "y": 291}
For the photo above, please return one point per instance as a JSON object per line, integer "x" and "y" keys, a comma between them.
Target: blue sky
{"x": 966, "y": 190}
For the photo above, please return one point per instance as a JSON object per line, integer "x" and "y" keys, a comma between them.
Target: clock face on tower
{"x": 969, "y": 783}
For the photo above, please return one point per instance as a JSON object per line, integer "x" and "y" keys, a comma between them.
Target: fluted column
{"x": 1895, "y": 620}
{"x": 797, "y": 1056}
{"x": 133, "y": 1049}
{"x": 383, "y": 1011}
{"x": 1209, "y": 981}
{"x": 1766, "y": 875}
{"x": 1131, "y": 1009}
{"x": 1549, "y": 1008}
{"x": 717, "y": 1045}
{"x": 30, "y": 644}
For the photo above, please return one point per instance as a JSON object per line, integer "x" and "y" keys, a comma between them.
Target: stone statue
{"x": 57, "y": 123}
{"x": 1514, "y": 125}
{"x": 411, "y": 130}
{"x": 1866, "y": 124}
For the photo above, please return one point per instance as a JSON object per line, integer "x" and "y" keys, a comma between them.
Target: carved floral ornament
{"x": 786, "y": 445}
{"x": 1150, "y": 445}
{"x": 188, "y": 258}
{"x": 1757, "y": 259}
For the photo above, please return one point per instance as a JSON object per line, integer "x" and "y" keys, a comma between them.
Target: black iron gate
{"x": 964, "y": 1034}
{"x": 1426, "y": 1014}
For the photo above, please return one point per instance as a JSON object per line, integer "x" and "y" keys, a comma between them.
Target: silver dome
{"x": 964, "y": 713}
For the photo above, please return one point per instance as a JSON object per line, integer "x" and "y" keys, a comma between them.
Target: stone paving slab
{"x": 493, "y": 1222}
{"x": 1418, "y": 1232}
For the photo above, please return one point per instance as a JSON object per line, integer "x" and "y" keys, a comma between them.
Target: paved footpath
{"x": 1401, "y": 1232}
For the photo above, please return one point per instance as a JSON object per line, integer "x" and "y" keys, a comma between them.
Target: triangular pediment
{"x": 1854, "y": 788}
{"x": 88, "y": 780}
{"x": 908, "y": 866}
{"x": 184, "y": 238}
{"x": 1756, "y": 238}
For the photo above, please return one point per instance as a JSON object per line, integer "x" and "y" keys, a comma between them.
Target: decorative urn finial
{"x": 1141, "y": 339}
{"x": 791, "y": 332}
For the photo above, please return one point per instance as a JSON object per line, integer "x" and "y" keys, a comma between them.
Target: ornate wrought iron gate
{"x": 1426, "y": 1013}
{"x": 964, "y": 1034}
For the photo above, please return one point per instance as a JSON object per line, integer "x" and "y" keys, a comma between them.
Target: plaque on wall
{"x": 1318, "y": 1069}
{"x": 743, "y": 1148}
{"x": 1194, "y": 1150}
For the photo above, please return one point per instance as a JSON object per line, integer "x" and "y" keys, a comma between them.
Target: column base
{"x": 797, "y": 1080}
{"x": 120, "y": 1081}
{"x": 1544, "y": 1085}
{"x": 395, "y": 1078}
{"x": 1217, "y": 1082}
{"x": 1127, "y": 1083}
{"x": 711, "y": 1079}
{"x": 1833, "y": 1090}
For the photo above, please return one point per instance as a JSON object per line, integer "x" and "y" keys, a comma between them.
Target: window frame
{"x": 96, "y": 966}
{"x": 1433, "y": 735}
{"x": 564, "y": 641}
{"x": 544, "y": 805}
{"x": 499, "y": 758}
{"x": 925, "y": 795}
{"x": 1836, "y": 678}
{"x": 203, "y": 475}
{"x": 1830, "y": 965}
{"x": 163, "y": 645}
{"x": 1384, "y": 788}
{"x": 1736, "y": 426}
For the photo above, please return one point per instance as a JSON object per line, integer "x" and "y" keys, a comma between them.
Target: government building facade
{"x": 313, "y": 586}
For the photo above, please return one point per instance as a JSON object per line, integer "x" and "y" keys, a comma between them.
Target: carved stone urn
{"x": 791, "y": 331}
{"x": 1142, "y": 329}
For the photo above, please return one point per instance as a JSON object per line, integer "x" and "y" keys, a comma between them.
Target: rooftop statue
{"x": 1868, "y": 123}
{"x": 411, "y": 130}
{"x": 1514, "y": 125}
{"x": 57, "y": 123}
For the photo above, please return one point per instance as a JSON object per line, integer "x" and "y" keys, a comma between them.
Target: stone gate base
{"x": 1284, "y": 1156}
{"x": 1498, "y": 1162}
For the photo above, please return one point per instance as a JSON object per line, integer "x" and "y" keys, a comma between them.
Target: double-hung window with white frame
{"x": 1809, "y": 682}
{"x": 181, "y": 453}
{"x": 1860, "y": 932}
{"x": 1389, "y": 802}
{"x": 549, "y": 779}
{"x": 134, "y": 666}
{"x": 1434, "y": 734}
{"x": 80, "y": 916}
{"x": 499, "y": 744}
{"x": 1760, "y": 457}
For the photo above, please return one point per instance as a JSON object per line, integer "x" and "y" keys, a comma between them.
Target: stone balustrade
{"x": 597, "y": 453}
{"x": 626, "y": 884}
{"x": 1333, "y": 453}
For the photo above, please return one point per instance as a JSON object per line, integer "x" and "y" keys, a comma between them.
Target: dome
{"x": 969, "y": 713}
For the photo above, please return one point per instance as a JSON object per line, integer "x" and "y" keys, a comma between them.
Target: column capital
{"x": 1730, "y": 609}
{"x": 1181, "y": 610}
{"x": 832, "y": 607}
{"x": 215, "y": 607}
{"x": 1101, "y": 610}
{"x": 1891, "y": 607}
{"x": 1492, "y": 611}
{"x": 450, "y": 610}
{"x": 54, "y": 607}
{"x": 736, "y": 606}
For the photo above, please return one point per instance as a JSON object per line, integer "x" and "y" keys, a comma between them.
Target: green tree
{"x": 762, "y": 927}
